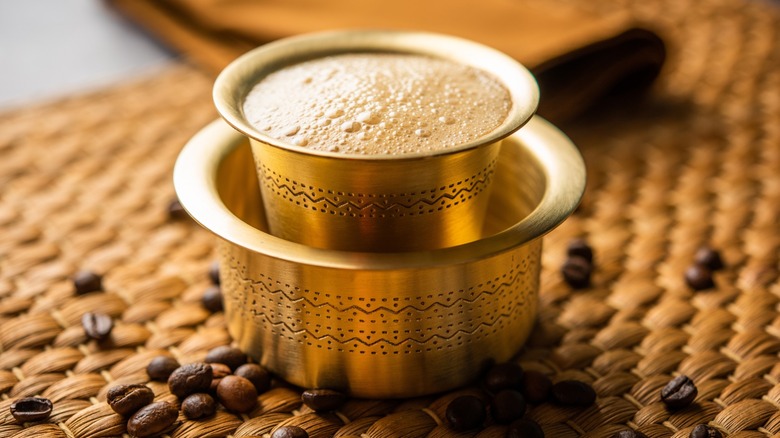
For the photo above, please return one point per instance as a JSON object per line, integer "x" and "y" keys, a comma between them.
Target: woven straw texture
{"x": 86, "y": 184}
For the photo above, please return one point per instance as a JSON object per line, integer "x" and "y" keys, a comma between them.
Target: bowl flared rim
{"x": 195, "y": 182}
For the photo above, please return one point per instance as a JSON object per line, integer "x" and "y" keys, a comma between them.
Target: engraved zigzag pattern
{"x": 489, "y": 292}
{"x": 476, "y": 187}
{"x": 482, "y": 325}
{"x": 437, "y": 322}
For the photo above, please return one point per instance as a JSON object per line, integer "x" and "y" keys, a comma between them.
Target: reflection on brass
{"x": 375, "y": 203}
{"x": 382, "y": 324}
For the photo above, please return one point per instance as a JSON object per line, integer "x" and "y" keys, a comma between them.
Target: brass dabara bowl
{"x": 382, "y": 325}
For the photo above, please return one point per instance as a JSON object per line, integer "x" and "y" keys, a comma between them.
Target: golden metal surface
{"x": 375, "y": 203}
{"x": 382, "y": 325}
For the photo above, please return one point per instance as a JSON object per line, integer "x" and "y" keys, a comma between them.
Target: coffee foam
{"x": 377, "y": 103}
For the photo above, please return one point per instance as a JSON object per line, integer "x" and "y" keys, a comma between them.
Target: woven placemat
{"x": 86, "y": 184}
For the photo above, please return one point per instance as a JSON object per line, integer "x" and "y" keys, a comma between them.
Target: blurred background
{"x": 54, "y": 48}
{"x": 51, "y": 48}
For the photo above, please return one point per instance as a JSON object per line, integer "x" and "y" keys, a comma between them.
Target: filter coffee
{"x": 377, "y": 103}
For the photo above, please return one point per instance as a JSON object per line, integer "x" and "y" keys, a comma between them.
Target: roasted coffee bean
{"x": 573, "y": 393}
{"x": 576, "y": 272}
{"x": 699, "y": 277}
{"x": 708, "y": 258}
{"x": 212, "y": 299}
{"x": 152, "y": 419}
{"x": 219, "y": 370}
{"x": 176, "y": 211}
{"x": 198, "y": 406}
{"x": 580, "y": 248}
{"x": 535, "y": 387}
{"x": 161, "y": 367}
{"x": 524, "y": 428}
{"x": 507, "y": 406}
{"x": 504, "y": 376}
{"x": 126, "y": 399}
{"x": 323, "y": 400}
{"x": 259, "y": 376}
{"x": 630, "y": 433}
{"x": 97, "y": 325}
{"x": 30, "y": 409}
{"x": 704, "y": 431}
{"x": 466, "y": 412}
{"x": 680, "y": 392}
{"x": 87, "y": 281}
{"x": 237, "y": 394}
{"x": 290, "y": 432}
{"x": 230, "y": 356}
{"x": 189, "y": 379}
{"x": 214, "y": 273}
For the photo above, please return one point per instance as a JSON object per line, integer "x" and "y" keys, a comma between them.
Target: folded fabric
{"x": 578, "y": 59}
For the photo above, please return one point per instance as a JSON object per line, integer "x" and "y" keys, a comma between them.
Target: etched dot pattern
{"x": 371, "y": 205}
{"x": 409, "y": 324}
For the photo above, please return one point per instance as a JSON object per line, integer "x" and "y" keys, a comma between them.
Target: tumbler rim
{"x": 237, "y": 79}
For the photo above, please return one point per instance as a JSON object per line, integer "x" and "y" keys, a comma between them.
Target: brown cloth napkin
{"x": 577, "y": 59}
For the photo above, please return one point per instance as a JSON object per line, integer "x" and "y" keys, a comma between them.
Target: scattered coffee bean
{"x": 323, "y": 400}
{"x": 214, "y": 273}
{"x": 176, "y": 211}
{"x": 219, "y": 371}
{"x": 259, "y": 376}
{"x": 704, "y": 431}
{"x": 535, "y": 386}
{"x": 524, "y": 428}
{"x": 189, "y": 379}
{"x": 630, "y": 433}
{"x": 573, "y": 393}
{"x": 30, "y": 409}
{"x": 507, "y": 406}
{"x": 198, "y": 406}
{"x": 504, "y": 376}
{"x": 161, "y": 367}
{"x": 230, "y": 356}
{"x": 680, "y": 392}
{"x": 97, "y": 325}
{"x": 87, "y": 281}
{"x": 152, "y": 419}
{"x": 576, "y": 272}
{"x": 212, "y": 299}
{"x": 699, "y": 277}
{"x": 237, "y": 394}
{"x": 126, "y": 399}
{"x": 580, "y": 248}
{"x": 290, "y": 432}
{"x": 466, "y": 412}
{"x": 708, "y": 258}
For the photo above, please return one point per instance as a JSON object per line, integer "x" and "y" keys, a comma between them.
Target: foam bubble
{"x": 292, "y": 130}
{"x": 367, "y": 117}
{"x": 350, "y": 126}
{"x": 333, "y": 113}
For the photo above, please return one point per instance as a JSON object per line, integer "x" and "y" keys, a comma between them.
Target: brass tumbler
{"x": 382, "y": 325}
{"x": 375, "y": 203}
